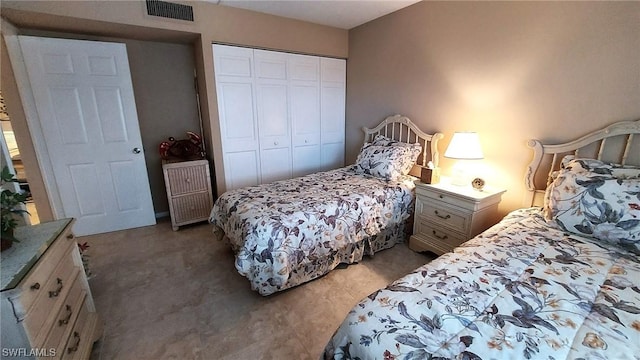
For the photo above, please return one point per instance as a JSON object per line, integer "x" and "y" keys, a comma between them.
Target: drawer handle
{"x": 66, "y": 319}
{"x": 56, "y": 292}
{"x": 441, "y": 196}
{"x": 187, "y": 180}
{"x": 73, "y": 348}
{"x": 70, "y": 236}
{"x": 444, "y": 237}
{"x": 448, "y": 216}
{"x": 35, "y": 286}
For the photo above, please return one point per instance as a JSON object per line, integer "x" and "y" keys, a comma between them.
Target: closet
{"x": 281, "y": 115}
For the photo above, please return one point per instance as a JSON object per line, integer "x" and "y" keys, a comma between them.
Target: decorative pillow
{"x": 387, "y": 162}
{"x": 385, "y": 141}
{"x": 588, "y": 168}
{"x": 616, "y": 171}
{"x": 598, "y": 206}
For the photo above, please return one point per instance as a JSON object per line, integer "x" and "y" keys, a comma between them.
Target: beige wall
{"x": 128, "y": 20}
{"x": 508, "y": 70}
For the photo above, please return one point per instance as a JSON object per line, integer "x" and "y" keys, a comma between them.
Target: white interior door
{"x": 86, "y": 110}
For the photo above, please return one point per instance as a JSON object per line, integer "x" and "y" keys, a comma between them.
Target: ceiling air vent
{"x": 169, "y": 10}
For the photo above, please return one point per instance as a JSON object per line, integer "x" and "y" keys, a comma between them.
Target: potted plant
{"x": 11, "y": 203}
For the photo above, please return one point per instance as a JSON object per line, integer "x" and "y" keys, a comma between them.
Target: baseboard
{"x": 163, "y": 214}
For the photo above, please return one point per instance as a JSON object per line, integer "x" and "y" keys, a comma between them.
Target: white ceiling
{"x": 344, "y": 14}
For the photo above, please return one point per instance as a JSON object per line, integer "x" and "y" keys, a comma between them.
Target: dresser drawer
{"x": 66, "y": 317}
{"x": 442, "y": 214}
{"x": 439, "y": 234}
{"x": 37, "y": 320}
{"x": 191, "y": 207}
{"x": 187, "y": 179}
{"x": 77, "y": 337}
{"x": 444, "y": 197}
{"x": 35, "y": 283}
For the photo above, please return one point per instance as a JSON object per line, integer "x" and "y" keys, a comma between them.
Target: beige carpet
{"x": 176, "y": 295}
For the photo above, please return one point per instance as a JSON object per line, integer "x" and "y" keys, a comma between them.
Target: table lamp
{"x": 464, "y": 146}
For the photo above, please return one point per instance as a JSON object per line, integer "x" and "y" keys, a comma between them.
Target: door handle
{"x": 136, "y": 150}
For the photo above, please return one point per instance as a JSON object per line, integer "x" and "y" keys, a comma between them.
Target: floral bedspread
{"x": 291, "y": 231}
{"x": 520, "y": 290}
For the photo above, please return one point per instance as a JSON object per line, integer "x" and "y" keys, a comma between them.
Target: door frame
{"x": 33, "y": 121}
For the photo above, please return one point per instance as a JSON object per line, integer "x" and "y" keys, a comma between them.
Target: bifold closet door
{"x": 273, "y": 115}
{"x": 304, "y": 85}
{"x": 236, "y": 109}
{"x": 333, "y": 94}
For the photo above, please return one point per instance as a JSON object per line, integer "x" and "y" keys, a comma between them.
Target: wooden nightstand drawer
{"x": 445, "y": 216}
{"x": 188, "y": 179}
{"x": 443, "y": 236}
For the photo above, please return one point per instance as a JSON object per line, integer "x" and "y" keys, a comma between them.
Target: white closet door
{"x": 333, "y": 92}
{"x": 236, "y": 109}
{"x": 304, "y": 85}
{"x": 273, "y": 117}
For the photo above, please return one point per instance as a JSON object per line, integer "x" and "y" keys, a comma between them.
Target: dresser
{"x": 46, "y": 304}
{"x": 188, "y": 190}
{"x": 447, "y": 215}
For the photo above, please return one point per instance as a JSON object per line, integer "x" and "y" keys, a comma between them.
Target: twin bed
{"x": 292, "y": 231}
{"x": 560, "y": 280}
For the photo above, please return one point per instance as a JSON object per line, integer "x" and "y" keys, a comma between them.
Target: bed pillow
{"x": 387, "y": 162}
{"x": 597, "y": 206}
{"x": 585, "y": 166}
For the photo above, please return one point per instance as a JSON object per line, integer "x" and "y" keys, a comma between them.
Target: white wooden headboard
{"x": 400, "y": 128}
{"x": 615, "y": 143}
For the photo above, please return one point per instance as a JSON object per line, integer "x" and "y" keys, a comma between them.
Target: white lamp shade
{"x": 464, "y": 145}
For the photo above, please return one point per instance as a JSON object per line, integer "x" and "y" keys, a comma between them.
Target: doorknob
{"x": 136, "y": 150}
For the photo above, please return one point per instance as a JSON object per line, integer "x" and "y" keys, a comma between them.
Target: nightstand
{"x": 447, "y": 215}
{"x": 188, "y": 190}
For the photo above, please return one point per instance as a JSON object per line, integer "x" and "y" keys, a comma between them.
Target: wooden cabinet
{"x": 281, "y": 115}
{"x": 188, "y": 190}
{"x": 447, "y": 215}
{"x": 46, "y": 305}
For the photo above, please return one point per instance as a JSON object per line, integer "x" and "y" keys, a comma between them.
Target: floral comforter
{"x": 292, "y": 231}
{"x": 520, "y": 290}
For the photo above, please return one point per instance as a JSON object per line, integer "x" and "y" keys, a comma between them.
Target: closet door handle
{"x": 136, "y": 150}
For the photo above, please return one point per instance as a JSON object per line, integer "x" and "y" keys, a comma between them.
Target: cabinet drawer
{"x": 441, "y": 238}
{"x": 78, "y": 337}
{"x": 446, "y": 216}
{"x": 66, "y": 317}
{"x": 50, "y": 298}
{"x": 187, "y": 179}
{"x": 35, "y": 282}
{"x": 447, "y": 198}
{"x": 191, "y": 207}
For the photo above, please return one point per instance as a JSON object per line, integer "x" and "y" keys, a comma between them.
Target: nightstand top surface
{"x": 465, "y": 191}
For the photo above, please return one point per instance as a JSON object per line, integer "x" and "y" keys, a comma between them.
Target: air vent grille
{"x": 169, "y": 10}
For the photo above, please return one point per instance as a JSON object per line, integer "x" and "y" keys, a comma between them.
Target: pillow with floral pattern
{"x": 387, "y": 162}
{"x": 598, "y": 206}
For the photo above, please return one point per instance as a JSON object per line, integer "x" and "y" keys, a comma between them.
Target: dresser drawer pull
{"x": 56, "y": 292}
{"x": 187, "y": 180}
{"x": 75, "y": 346}
{"x": 70, "y": 236}
{"x": 444, "y": 237}
{"x": 66, "y": 319}
{"x": 35, "y": 286}
{"x": 441, "y": 196}
{"x": 445, "y": 217}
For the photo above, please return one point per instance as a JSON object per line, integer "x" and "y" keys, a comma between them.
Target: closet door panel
{"x": 273, "y": 119}
{"x": 241, "y": 169}
{"x": 237, "y": 124}
{"x": 276, "y": 164}
{"x": 306, "y": 160}
{"x": 332, "y": 156}
{"x": 305, "y": 114}
{"x": 270, "y": 65}
{"x": 333, "y": 117}
{"x": 233, "y": 61}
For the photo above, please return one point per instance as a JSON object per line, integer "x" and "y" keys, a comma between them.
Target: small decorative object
{"x": 185, "y": 149}
{"x": 430, "y": 174}
{"x": 478, "y": 184}
{"x": 11, "y": 204}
